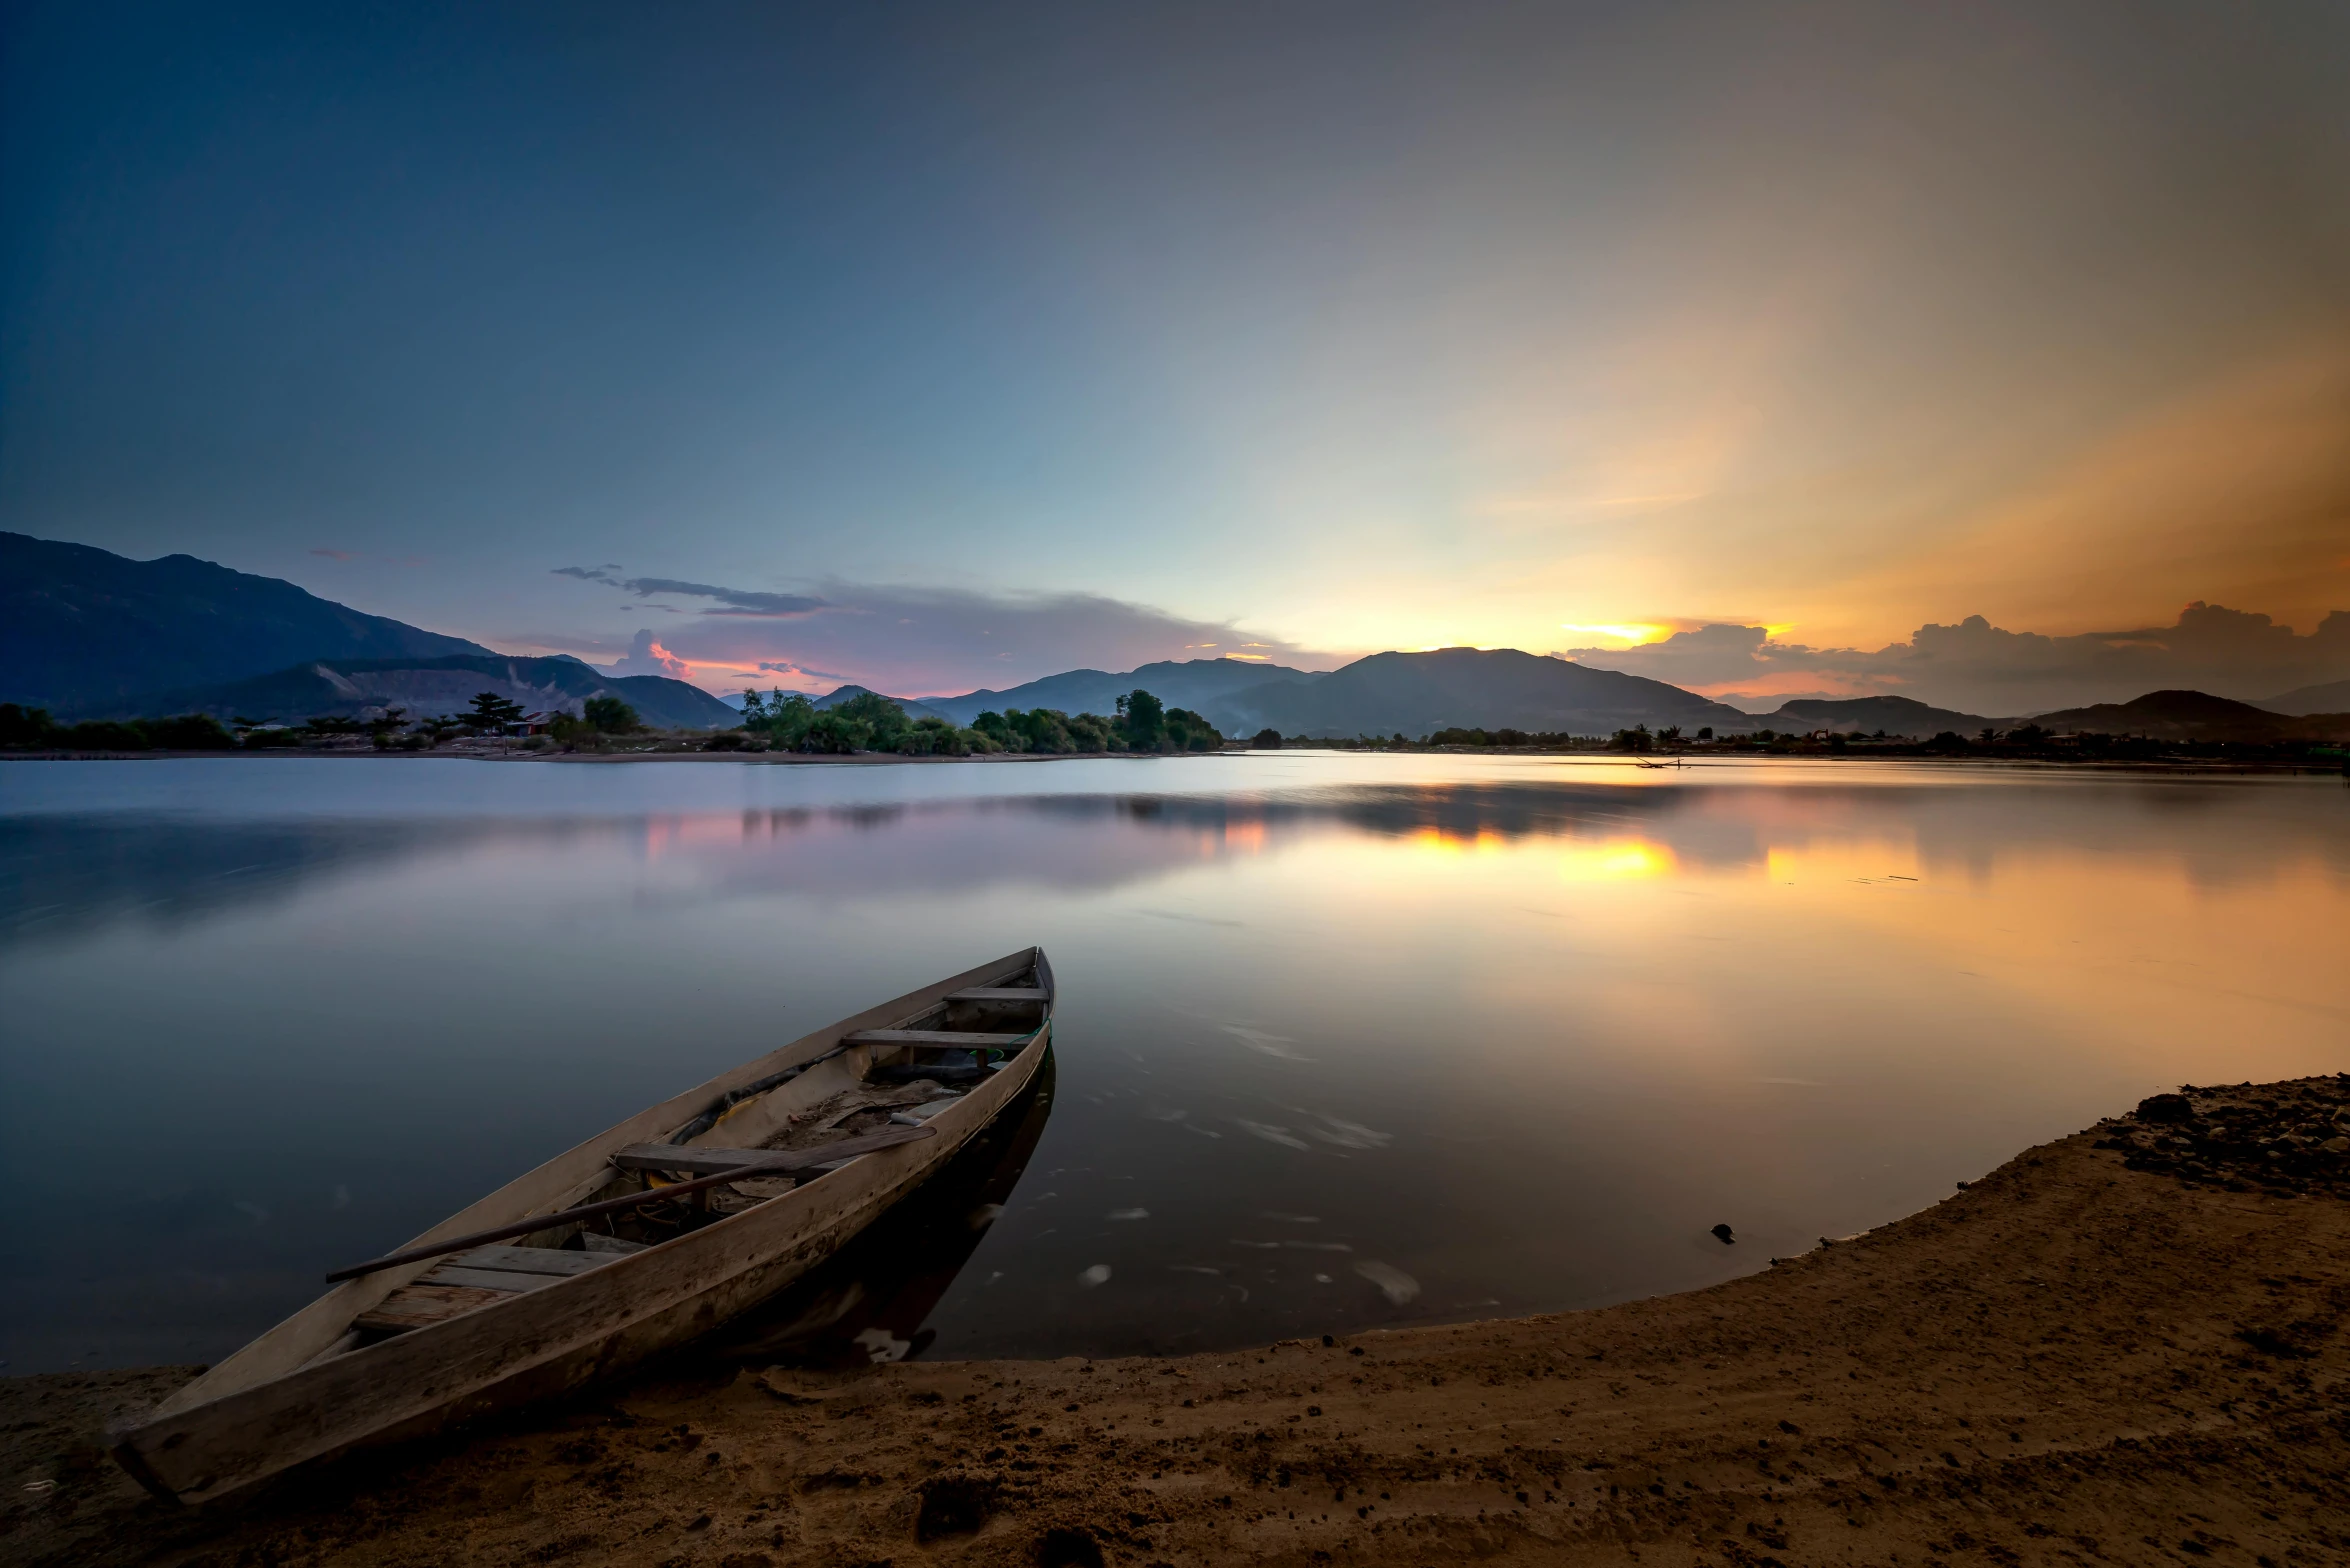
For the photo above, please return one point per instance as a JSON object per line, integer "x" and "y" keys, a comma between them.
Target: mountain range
{"x": 424, "y": 687}
{"x": 89, "y": 634}
{"x": 1874, "y": 715}
{"x": 2332, "y": 697}
{"x": 1472, "y": 688}
{"x": 1206, "y": 686}
{"x": 83, "y": 629}
{"x": 1419, "y": 693}
{"x": 2196, "y": 716}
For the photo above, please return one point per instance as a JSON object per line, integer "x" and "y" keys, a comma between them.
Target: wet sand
{"x": 2122, "y": 1347}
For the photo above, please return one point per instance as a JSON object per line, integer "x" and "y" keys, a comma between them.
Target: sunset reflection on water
{"x": 1516, "y": 1032}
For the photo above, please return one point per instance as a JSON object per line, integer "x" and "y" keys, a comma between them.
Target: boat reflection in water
{"x": 871, "y": 1301}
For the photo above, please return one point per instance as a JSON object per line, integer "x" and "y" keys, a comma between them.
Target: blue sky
{"x": 1031, "y": 336}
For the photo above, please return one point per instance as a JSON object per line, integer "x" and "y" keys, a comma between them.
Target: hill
{"x": 1868, "y": 715}
{"x": 2195, "y": 715}
{"x": 913, "y": 708}
{"x": 1419, "y": 693}
{"x": 1197, "y": 684}
{"x": 2332, "y": 697}
{"x": 425, "y": 687}
{"x": 82, "y": 629}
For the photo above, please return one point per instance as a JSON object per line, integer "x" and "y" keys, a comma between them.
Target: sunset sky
{"x": 944, "y": 346}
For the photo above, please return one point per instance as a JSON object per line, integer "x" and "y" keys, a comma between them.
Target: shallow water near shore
{"x": 1343, "y": 1040}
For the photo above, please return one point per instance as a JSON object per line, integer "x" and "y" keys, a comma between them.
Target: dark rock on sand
{"x": 2280, "y": 1138}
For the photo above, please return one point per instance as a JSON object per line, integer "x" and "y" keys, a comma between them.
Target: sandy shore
{"x": 2122, "y": 1347}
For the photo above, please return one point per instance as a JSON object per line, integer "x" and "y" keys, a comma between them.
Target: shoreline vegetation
{"x": 784, "y": 726}
{"x": 868, "y": 728}
{"x": 2122, "y": 1346}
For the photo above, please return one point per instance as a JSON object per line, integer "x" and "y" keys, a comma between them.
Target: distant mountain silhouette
{"x": 1471, "y": 688}
{"x": 1197, "y": 684}
{"x": 2332, "y": 697}
{"x": 1868, "y": 715}
{"x": 81, "y": 629}
{"x": 426, "y": 687}
{"x": 2194, "y": 715}
{"x": 913, "y": 708}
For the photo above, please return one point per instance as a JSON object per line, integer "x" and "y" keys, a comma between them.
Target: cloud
{"x": 646, "y": 656}
{"x": 1981, "y": 668}
{"x": 736, "y": 601}
{"x": 785, "y": 667}
{"x": 921, "y": 641}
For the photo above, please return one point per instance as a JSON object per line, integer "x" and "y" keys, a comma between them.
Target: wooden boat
{"x": 648, "y": 1235}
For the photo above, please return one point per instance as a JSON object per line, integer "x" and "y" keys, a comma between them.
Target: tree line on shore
{"x": 35, "y": 729}
{"x": 1142, "y": 724}
{"x": 871, "y": 722}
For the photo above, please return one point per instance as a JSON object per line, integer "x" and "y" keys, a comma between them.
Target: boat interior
{"x": 871, "y": 1090}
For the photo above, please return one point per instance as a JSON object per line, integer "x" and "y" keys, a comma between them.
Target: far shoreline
{"x": 1646, "y": 762}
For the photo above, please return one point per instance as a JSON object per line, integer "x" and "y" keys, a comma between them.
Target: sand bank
{"x": 2099, "y": 1353}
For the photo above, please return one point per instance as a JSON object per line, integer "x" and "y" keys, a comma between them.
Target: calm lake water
{"x": 1343, "y": 1040}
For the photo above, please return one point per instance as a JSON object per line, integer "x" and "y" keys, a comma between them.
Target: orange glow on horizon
{"x": 1630, "y": 633}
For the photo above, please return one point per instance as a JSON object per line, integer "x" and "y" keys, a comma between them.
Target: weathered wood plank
{"x": 703, "y": 1160}
{"x": 949, "y": 1039}
{"x": 610, "y": 1246}
{"x": 694, "y": 1158}
{"x": 1000, "y": 993}
{"x": 529, "y": 1260}
{"x": 505, "y": 1280}
{"x": 413, "y": 1306}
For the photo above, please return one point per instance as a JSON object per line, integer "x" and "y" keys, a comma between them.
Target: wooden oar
{"x": 785, "y": 1162}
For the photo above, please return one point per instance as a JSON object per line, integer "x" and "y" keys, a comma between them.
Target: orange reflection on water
{"x": 1859, "y": 861}
{"x": 1615, "y": 860}
{"x": 1441, "y": 841}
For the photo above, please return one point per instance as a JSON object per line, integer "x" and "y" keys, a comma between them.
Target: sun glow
{"x": 1631, "y": 633}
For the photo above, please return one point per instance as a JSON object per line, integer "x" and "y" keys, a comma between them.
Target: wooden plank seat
{"x": 936, "y": 1039}
{"x": 701, "y": 1160}
{"x": 693, "y": 1159}
{"x": 1001, "y": 993}
{"x": 475, "y": 1279}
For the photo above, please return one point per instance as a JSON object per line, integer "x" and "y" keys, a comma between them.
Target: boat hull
{"x": 548, "y": 1341}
